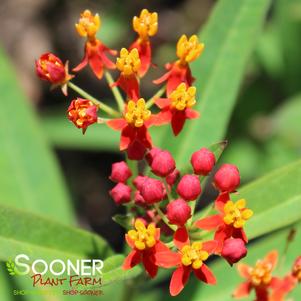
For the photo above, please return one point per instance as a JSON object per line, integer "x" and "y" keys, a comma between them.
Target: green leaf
{"x": 30, "y": 176}
{"x": 40, "y": 237}
{"x": 229, "y": 36}
{"x": 275, "y": 195}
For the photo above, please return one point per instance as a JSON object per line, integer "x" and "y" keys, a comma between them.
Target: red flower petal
{"x": 179, "y": 279}
{"x": 117, "y": 124}
{"x": 163, "y": 102}
{"x": 136, "y": 150}
{"x": 210, "y": 246}
{"x": 243, "y": 290}
{"x": 272, "y": 257}
{"x": 243, "y": 270}
{"x": 128, "y": 135}
{"x": 209, "y": 223}
{"x": 82, "y": 64}
{"x": 145, "y": 55}
{"x": 96, "y": 65}
{"x": 130, "y": 85}
{"x": 181, "y": 238}
{"x": 204, "y": 274}
{"x": 178, "y": 121}
{"x": 222, "y": 233}
{"x": 164, "y": 117}
{"x": 240, "y": 233}
{"x": 221, "y": 200}
{"x": 167, "y": 258}
{"x": 162, "y": 79}
{"x": 149, "y": 263}
{"x": 261, "y": 294}
{"x": 191, "y": 114}
{"x": 131, "y": 260}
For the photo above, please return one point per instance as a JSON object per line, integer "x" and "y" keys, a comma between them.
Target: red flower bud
{"x": 189, "y": 187}
{"x": 120, "y": 172}
{"x": 138, "y": 182}
{"x": 202, "y": 161}
{"x": 82, "y": 113}
{"x": 296, "y": 272}
{"x": 163, "y": 164}
{"x": 152, "y": 190}
{"x": 172, "y": 177}
{"x": 151, "y": 154}
{"x": 121, "y": 193}
{"x": 234, "y": 249}
{"x": 49, "y": 67}
{"x": 178, "y": 212}
{"x": 139, "y": 200}
{"x": 227, "y": 178}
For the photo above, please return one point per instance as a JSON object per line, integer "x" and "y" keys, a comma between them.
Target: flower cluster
{"x": 166, "y": 230}
{"x": 133, "y": 117}
{"x": 266, "y": 286}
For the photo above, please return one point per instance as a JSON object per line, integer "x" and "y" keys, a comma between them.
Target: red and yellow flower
{"x": 82, "y": 113}
{"x": 258, "y": 278}
{"x": 50, "y": 68}
{"x": 95, "y": 51}
{"x": 228, "y": 223}
{"x": 135, "y": 138}
{"x": 129, "y": 64}
{"x": 145, "y": 243}
{"x": 146, "y": 25}
{"x": 189, "y": 258}
{"x": 177, "y": 107}
{"x": 188, "y": 50}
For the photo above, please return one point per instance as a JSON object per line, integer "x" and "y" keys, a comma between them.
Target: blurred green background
{"x": 40, "y": 151}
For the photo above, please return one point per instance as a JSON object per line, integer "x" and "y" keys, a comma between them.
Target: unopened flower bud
{"x": 178, "y": 212}
{"x": 82, "y": 113}
{"x": 152, "y": 191}
{"x": 227, "y": 178}
{"x": 172, "y": 177}
{"x": 296, "y": 272}
{"x": 139, "y": 200}
{"x": 163, "y": 164}
{"x": 120, "y": 172}
{"x": 138, "y": 181}
{"x": 49, "y": 67}
{"x": 202, "y": 161}
{"x": 121, "y": 193}
{"x": 189, "y": 187}
{"x": 151, "y": 155}
{"x": 234, "y": 249}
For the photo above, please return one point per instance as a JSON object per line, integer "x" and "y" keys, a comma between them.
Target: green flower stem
{"x": 98, "y": 103}
{"x": 169, "y": 196}
{"x": 157, "y": 95}
{"x": 164, "y": 218}
{"x": 192, "y": 207}
{"x": 198, "y": 235}
{"x": 115, "y": 91}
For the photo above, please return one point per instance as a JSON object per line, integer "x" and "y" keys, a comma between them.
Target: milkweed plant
{"x": 165, "y": 231}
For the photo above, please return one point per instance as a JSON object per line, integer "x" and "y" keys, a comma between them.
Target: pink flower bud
{"x": 227, "y": 178}
{"x": 163, "y": 164}
{"x": 151, "y": 154}
{"x": 178, "y": 212}
{"x": 234, "y": 249}
{"x": 172, "y": 177}
{"x": 189, "y": 187}
{"x": 121, "y": 193}
{"x": 152, "y": 190}
{"x": 120, "y": 172}
{"x": 138, "y": 182}
{"x": 202, "y": 161}
{"x": 139, "y": 200}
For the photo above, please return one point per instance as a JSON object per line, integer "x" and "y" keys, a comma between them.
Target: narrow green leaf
{"x": 40, "y": 237}
{"x": 29, "y": 175}
{"x": 229, "y": 36}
